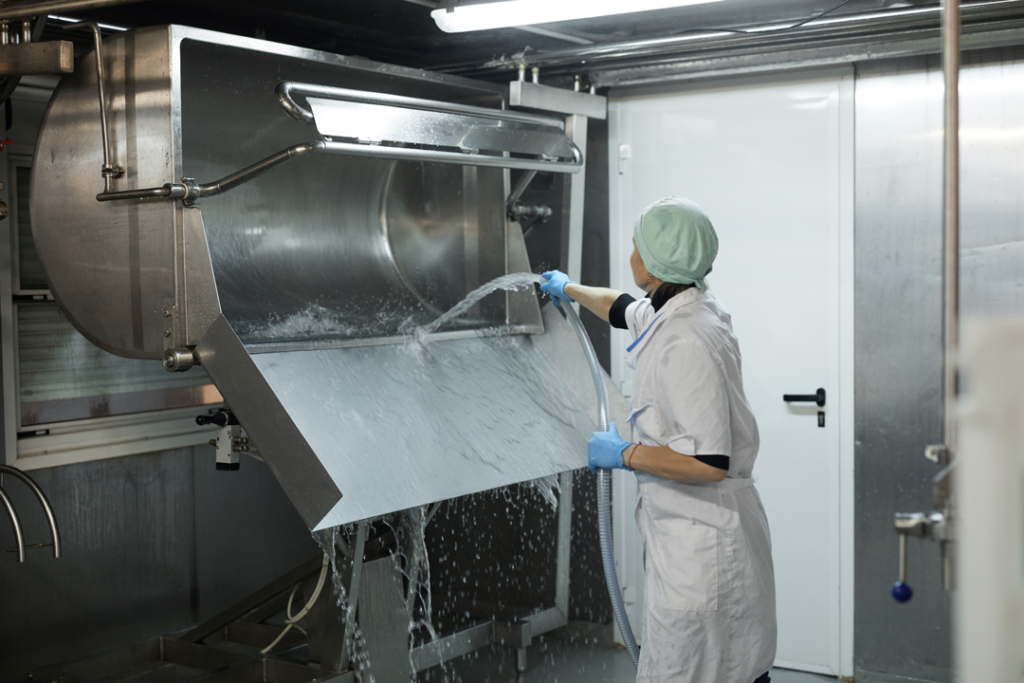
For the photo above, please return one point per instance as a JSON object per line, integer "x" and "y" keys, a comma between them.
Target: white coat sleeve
{"x": 639, "y": 315}
{"x": 693, "y": 400}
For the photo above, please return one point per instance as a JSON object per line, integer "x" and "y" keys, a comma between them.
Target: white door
{"x": 771, "y": 163}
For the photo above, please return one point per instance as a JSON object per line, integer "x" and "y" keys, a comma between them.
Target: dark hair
{"x": 666, "y": 291}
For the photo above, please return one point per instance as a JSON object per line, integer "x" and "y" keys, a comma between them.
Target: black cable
{"x": 774, "y": 30}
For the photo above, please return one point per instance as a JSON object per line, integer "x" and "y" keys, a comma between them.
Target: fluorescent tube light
{"x": 481, "y": 16}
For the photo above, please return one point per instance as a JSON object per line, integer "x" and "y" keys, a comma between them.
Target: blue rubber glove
{"x": 555, "y": 286}
{"x": 604, "y": 450}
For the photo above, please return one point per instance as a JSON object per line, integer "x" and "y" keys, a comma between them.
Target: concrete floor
{"x": 560, "y": 662}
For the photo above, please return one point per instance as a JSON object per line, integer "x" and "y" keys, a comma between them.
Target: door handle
{"x": 817, "y": 397}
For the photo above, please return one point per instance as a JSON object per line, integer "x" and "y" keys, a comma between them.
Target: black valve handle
{"x": 817, "y": 397}
{"x": 222, "y": 418}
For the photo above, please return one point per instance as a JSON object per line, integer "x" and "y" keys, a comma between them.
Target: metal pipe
{"x": 164, "y": 192}
{"x": 518, "y": 190}
{"x": 951, "y": 219}
{"x": 110, "y": 170}
{"x": 903, "y": 559}
{"x": 22, "y": 10}
{"x": 191, "y": 192}
{"x": 54, "y": 534}
{"x": 260, "y": 167}
{"x": 26, "y": 31}
{"x": 286, "y": 89}
{"x": 5, "y": 37}
{"x": 15, "y": 523}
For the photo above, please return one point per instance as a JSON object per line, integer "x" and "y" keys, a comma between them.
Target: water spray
{"x": 604, "y": 477}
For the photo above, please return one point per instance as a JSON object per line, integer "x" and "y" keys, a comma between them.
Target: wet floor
{"x": 559, "y": 662}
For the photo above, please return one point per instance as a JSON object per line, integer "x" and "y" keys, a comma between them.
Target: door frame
{"x": 841, "y": 322}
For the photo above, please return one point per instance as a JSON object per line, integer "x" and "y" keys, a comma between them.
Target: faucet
{"x": 54, "y": 534}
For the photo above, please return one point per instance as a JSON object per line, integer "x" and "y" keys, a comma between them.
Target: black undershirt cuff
{"x": 720, "y": 462}
{"x": 617, "y": 313}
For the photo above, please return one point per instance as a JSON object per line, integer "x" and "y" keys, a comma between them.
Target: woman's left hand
{"x": 604, "y": 450}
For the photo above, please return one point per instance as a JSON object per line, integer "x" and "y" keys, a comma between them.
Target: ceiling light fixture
{"x": 454, "y": 17}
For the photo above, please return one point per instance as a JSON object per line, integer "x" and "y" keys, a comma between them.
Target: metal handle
{"x": 901, "y": 592}
{"x": 15, "y": 523}
{"x": 285, "y": 89}
{"x": 190, "y": 192}
{"x": 461, "y": 158}
{"x": 54, "y": 534}
{"x": 817, "y": 397}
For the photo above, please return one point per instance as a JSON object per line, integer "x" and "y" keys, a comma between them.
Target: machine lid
{"x": 353, "y": 433}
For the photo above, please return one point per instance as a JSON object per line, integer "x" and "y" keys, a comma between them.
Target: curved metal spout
{"x": 54, "y": 534}
{"x": 15, "y": 523}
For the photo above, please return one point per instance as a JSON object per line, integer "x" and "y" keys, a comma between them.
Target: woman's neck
{"x": 661, "y": 294}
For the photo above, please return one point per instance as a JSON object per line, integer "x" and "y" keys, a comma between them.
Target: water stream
{"x": 409, "y": 526}
{"x": 508, "y": 282}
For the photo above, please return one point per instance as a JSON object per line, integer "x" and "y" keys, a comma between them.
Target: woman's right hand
{"x": 555, "y": 286}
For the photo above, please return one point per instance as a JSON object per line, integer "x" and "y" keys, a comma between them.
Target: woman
{"x": 709, "y": 602}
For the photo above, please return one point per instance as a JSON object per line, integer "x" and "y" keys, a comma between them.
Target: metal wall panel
{"x": 898, "y": 321}
{"x": 126, "y": 564}
{"x": 247, "y": 533}
{"x": 151, "y": 544}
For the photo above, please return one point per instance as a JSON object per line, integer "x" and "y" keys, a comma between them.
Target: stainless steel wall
{"x": 898, "y": 320}
{"x": 151, "y": 544}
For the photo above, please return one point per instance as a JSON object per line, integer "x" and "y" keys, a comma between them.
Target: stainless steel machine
{"x": 286, "y": 218}
{"x": 293, "y": 286}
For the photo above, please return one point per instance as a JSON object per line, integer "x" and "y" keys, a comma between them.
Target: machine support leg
{"x": 330, "y": 623}
{"x": 565, "y": 481}
{"x": 520, "y": 659}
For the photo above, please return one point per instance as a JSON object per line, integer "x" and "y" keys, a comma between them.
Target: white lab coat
{"x": 709, "y": 603}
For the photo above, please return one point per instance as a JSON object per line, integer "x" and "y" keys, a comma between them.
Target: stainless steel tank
{"x": 293, "y": 288}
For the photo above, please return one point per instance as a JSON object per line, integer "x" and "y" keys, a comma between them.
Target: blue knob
{"x": 901, "y": 592}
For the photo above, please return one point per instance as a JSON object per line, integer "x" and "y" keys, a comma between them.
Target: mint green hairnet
{"x": 676, "y": 241}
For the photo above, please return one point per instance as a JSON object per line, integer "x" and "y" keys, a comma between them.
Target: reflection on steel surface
{"x": 66, "y": 409}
